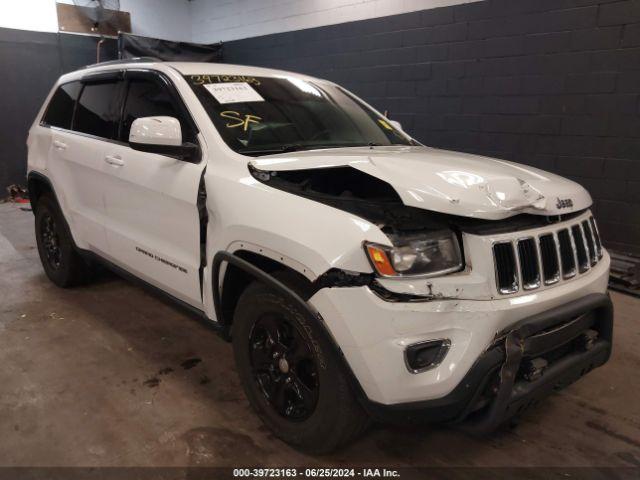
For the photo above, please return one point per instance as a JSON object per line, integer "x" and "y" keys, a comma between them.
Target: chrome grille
{"x": 581, "y": 248}
{"x": 596, "y": 235}
{"x": 506, "y": 270}
{"x": 567, "y": 254}
{"x": 547, "y": 258}
{"x": 591, "y": 243}
{"x": 529, "y": 267}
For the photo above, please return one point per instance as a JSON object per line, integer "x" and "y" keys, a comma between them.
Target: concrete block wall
{"x": 222, "y": 20}
{"x": 549, "y": 83}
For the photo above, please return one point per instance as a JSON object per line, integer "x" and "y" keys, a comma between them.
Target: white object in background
{"x": 396, "y": 124}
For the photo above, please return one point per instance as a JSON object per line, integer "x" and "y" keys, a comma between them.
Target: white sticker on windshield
{"x": 233, "y": 92}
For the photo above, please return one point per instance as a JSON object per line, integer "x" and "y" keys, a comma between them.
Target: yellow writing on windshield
{"x": 240, "y": 120}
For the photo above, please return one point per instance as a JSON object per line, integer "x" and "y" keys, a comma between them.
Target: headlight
{"x": 425, "y": 254}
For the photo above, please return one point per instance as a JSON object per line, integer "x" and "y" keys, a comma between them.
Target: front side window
{"x": 148, "y": 98}
{"x": 98, "y": 112}
{"x": 60, "y": 110}
{"x": 262, "y": 115}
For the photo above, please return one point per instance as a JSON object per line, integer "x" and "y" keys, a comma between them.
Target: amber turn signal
{"x": 380, "y": 260}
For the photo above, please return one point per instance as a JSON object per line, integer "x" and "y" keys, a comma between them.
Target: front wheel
{"x": 291, "y": 374}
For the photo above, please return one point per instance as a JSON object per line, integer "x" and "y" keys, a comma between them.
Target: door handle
{"x": 58, "y": 145}
{"x": 114, "y": 160}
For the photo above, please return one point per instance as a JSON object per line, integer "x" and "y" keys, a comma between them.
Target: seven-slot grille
{"x": 545, "y": 259}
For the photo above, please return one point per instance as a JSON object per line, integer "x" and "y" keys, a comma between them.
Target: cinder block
{"x": 466, "y": 50}
{"x": 417, "y": 36}
{"x": 502, "y": 85}
{"x": 547, "y": 42}
{"x": 454, "y": 32}
{"x": 603, "y": 82}
{"x": 431, "y": 53}
{"x": 624, "y": 126}
{"x": 473, "y": 11}
{"x": 622, "y": 169}
{"x": 626, "y": 104}
{"x": 542, "y": 84}
{"x": 501, "y": 123}
{"x": 503, "y": 47}
{"x": 524, "y": 105}
{"x": 562, "y": 20}
{"x": 620, "y": 13}
{"x": 432, "y": 87}
{"x": 445, "y": 104}
{"x": 462, "y": 122}
{"x": 465, "y": 86}
{"x": 400, "y": 88}
{"x": 596, "y": 38}
{"x": 631, "y": 35}
{"x": 541, "y": 124}
{"x": 616, "y": 60}
{"x": 589, "y": 167}
{"x": 584, "y": 125}
{"x": 449, "y": 69}
{"x": 416, "y": 71}
{"x": 437, "y": 16}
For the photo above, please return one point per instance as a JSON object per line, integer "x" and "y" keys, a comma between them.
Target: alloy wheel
{"x": 284, "y": 367}
{"x": 51, "y": 241}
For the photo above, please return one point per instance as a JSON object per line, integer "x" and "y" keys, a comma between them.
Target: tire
{"x": 330, "y": 416}
{"x": 61, "y": 262}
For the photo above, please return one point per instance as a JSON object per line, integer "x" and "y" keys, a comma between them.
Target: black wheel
{"x": 291, "y": 374}
{"x": 61, "y": 262}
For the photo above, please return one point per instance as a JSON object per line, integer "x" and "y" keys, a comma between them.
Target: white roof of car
{"x": 186, "y": 68}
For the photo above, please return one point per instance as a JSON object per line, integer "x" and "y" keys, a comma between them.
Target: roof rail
{"x": 125, "y": 60}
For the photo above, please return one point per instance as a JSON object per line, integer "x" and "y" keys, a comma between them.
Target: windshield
{"x": 262, "y": 115}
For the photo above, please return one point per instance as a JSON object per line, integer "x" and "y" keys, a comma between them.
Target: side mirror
{"x": 161, "y": 135}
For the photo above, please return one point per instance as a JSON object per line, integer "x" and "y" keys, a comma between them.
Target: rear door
{"x": 153, "y": 227}
{"x": 76, "y": 154}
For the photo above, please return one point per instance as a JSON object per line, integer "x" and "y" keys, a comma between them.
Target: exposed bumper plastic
{"x": 494, "y": 390}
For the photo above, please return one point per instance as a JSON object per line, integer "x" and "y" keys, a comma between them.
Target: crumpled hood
{"x": 448, "y": 182}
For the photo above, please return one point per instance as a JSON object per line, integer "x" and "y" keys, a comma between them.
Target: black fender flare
{"x": 39, "y": 177}
{"x": 262, "y": 276}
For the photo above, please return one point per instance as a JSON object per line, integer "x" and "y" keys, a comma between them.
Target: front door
{"x": 153, "y": 227}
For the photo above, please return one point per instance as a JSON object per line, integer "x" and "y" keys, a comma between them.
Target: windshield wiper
{"x": 292, "y": 147}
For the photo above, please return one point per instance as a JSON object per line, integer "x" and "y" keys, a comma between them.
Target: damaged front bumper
{"x": 540, "y": 355}
{"x": 497, "y": 359}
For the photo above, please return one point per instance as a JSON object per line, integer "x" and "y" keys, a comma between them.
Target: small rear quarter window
{"x": 60, "y": 109}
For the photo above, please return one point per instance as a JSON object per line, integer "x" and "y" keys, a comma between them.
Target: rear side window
{"x": 97, "y": 112}
{"x": 60, "y": 110}
{"x": 148, "y": 98}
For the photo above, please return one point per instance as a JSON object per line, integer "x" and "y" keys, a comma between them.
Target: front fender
{"x": 308, "y": 236}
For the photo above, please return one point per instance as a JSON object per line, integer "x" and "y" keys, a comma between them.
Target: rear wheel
{"x": 61, "y": 262}
{"x": 291, "y": 374}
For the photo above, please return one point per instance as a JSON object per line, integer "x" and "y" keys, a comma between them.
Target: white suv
{"x": 358, "y": 273}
